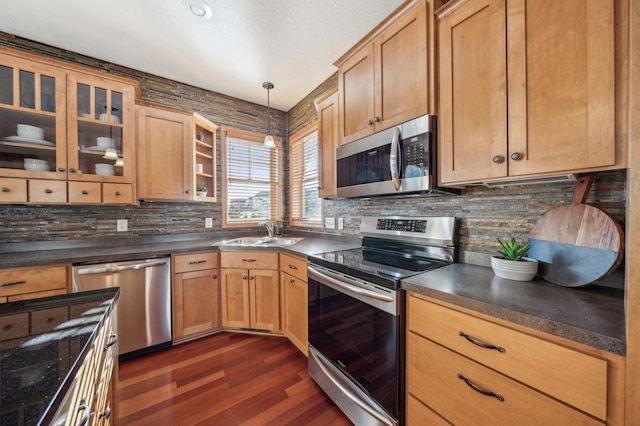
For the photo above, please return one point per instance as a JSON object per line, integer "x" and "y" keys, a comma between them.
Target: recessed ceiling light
{"x": 198, "y": 7}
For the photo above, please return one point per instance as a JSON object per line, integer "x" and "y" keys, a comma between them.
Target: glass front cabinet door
{"x": 33, "y": 139}
{"x": 100, "y": 126}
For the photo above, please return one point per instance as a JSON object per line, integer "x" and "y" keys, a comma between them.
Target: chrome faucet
{"x": 269, "y": 225}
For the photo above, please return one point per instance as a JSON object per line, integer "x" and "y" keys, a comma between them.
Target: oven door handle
{"x": 319, "y": 276}
{"x": 395, "y": 159}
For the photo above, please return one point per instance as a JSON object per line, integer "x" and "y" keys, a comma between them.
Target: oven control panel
{"x": 404, "y": 225}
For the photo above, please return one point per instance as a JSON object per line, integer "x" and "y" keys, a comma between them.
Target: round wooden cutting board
{"x": 576, "y": 244}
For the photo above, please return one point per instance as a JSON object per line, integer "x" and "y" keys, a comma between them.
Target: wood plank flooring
{"x": 225, "y": 379}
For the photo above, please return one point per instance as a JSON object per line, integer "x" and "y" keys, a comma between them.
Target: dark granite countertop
{"x": 592, "y": 315}
{"x": 43, "y": 342}
{"x": 119, "y": 249}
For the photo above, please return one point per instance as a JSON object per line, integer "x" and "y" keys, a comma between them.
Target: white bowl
{"x": 105, "y": 142}
{"x": 105, "y": 169}
{"x": 114, "y": 118}
{"x": 36, "y": 165}
{"x": 33, "y": 132}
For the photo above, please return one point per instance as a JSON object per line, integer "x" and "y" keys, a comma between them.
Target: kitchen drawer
{"x": 249, "y": 259}
{"x": 434, "y": 377}
{"x": 14, "y": 326}
{"x": 48, "y": 319}
{"x": 117, "y": 193}
{"x": 195, "y": 261}
{"x": 13, "y": 190}
{"x": 419, "y": 414}
{"x": 47, "y": 191}
{"x": 37, "y": 294}
{"x": 293, "y": 266}
{"x": 85, "y": 192}
{"x": 574, "y": 377}
{"x": 16, "y": 281}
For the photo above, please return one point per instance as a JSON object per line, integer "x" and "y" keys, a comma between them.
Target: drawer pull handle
{"x": 85, "y": 192}
{"x": 248, "y": 260}
{"x": 479, "y": 389}
{"x": 12, "y": 283}
{"x": 197, "y": 262}
{"x": 117, "y": 193}
{"x": 105, "y": 414}
{"x": 114, "y": 340}
{"x": 292, "y": 266}
{"x": 48, "y": 191}
{"x": 7, "y": 327}
{"x": 84, "y": 407}
{"x": 5, "y": 189}
{"x": 479, "y": 343}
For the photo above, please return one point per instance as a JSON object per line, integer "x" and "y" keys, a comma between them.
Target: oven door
{"x": 355, "y": 337}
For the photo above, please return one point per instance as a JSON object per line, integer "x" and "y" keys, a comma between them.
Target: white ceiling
{"x": 291, "y": 43}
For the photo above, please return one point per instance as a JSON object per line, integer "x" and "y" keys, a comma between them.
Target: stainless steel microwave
{"x": 397, "y": 161}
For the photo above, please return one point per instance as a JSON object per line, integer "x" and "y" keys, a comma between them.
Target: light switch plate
{"x": 122, "y": 225}
{"x": 330, "y": 222}
{"x": 208, "y": 222}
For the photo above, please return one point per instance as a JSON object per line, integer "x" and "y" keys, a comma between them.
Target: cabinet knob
{"x": 376, "y": 119}
{"x": 85, "y": 192}
{"x": 516, "y": 156}
{"x": 5, "y": 189}
{"x": 48, "y": 191}
{"x": 72, "y": 170}
{"x": 251, "y": 278}
{"x": 244, "y": 277}
{"x": 61, "y": 169}
{"x": 186, "y": 192}
{"x": 292, "y": 280}
{"x": 370, "y": 122}
{"x": 117, "y": 193}
{"x": 214, "y": 276}
{"x": 497, "y": 159}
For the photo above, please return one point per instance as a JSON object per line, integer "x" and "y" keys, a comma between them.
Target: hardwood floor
{"x": 225, "y": 379}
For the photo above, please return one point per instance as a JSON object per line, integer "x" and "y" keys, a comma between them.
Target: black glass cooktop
{"x": 377, "y": 265}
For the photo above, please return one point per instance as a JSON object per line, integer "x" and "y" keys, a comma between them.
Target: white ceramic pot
{"x": 201, "y": 193}
{"x": 517, "y": 270}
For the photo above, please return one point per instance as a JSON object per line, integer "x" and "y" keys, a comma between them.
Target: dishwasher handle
{"x": 142, "y": 265}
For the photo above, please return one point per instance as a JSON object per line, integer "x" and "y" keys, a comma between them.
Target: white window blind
{"x": 252, "y": 181}
{"x": 306, "y": 205}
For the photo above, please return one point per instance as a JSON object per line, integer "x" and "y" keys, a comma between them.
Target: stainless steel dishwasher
{"x": 144, "y": 306}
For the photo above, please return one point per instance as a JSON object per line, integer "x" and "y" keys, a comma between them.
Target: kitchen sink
{"x": 259, "y": 242}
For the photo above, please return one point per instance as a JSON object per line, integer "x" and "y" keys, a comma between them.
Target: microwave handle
{"x": 395, "y": 159}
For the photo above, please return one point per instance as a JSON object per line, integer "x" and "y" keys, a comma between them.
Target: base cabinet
{"x": 32, "y": 282}
{"x": 250, "y": 296}
{"x": 294, "y": 294}
{"x": 468, "y": 370}
{"x": 196, "y": 295}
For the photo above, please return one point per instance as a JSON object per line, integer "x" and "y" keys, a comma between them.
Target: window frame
{"x": 294, "y": 139}
{"x": 258, "y": 138}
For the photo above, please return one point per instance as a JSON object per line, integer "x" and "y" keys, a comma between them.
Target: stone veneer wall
{"x": 485, "y": 213}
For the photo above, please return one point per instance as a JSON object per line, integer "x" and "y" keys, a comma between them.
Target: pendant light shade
{"x": 268, "y": 140}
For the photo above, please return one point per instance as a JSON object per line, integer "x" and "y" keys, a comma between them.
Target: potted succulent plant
{"x": 201, "y": 190}
{"x": 512, "y": 263}
{"x": 200, "y": 136}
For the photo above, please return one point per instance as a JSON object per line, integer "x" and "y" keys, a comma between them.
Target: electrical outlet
{"x": 122, "y": 225}
{"x": 208, "y": 222}
{"x": 341, "y": 223}
{"x": 330, "y": 222}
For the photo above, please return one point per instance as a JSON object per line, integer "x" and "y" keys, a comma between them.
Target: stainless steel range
{"x": 356, "y": 312}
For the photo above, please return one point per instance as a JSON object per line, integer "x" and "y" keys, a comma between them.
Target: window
{"x": 251, "y": 178}
{"x": 306, "y": 205}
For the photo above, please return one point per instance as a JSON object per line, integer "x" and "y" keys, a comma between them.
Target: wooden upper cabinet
{"x": 165, "y": 165}
{"x": 328, "y": 136}
{"x": 472, "y": 44}
{"x": 561, "y": 85}
{"x": 526, "y": 88}
{"x": 385, "y": 80}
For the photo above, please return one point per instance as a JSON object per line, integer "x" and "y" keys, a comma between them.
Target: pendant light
{"x": 268, "y": 140}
